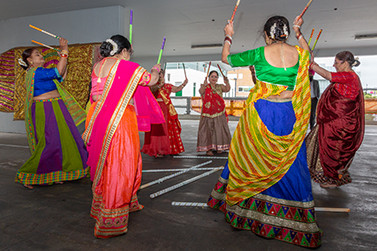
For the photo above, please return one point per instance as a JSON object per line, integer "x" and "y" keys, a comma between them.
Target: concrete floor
{"x": 57, "y": 217}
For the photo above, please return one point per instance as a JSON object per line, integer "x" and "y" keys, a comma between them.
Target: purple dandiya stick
{"x": 162, "y": 49}
{"x": 131, "y": 16}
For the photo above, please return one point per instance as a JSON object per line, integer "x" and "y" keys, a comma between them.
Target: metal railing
{"x": 177, "y": 102}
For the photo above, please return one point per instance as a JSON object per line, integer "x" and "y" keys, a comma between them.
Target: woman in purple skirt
{"x": 57, "y": 151}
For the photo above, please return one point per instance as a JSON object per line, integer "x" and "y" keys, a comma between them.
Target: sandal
{"x": 209, "y": 153}
{"x": 28, "y": 186}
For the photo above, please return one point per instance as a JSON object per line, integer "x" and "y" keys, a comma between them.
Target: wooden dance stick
{"x": 131, "y": 16}
{"x": 175, "y": 170}
{"x": 209, "y": 66}
{"x": 220, "y": 70}
{"x": 45, "y": 32}
{"x": 173, "y": 175}
{"x": 184, "y": 70}
{"x": 235, "y": 9}
{"x": 166, "y": 190}
{"x": 317, "y": 209}
{"x": 332, "y": 209}
{"x": 306, "y": 8}
{"x": 315, "y": 42}
{"x": 311, "y": 36}
{"x": 45, "y": 45}
{"x": 162, "y": 49}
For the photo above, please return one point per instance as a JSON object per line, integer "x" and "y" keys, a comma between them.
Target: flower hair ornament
{"x": 272, "y": 31}
{"x": 22, "y": 62}
{"x": 356, "y": 62}
{"x": 285, "y": 29}
{"x": 114, "y": 45}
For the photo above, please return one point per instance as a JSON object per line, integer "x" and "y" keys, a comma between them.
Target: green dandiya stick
{"x": 311, "y": 36}
{"x": 315, "y": 43}
{"x": 162, "y": 49}
{"x": 130, "y": 37}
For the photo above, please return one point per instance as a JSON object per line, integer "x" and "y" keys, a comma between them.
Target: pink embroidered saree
{"x": 114, "y": 150}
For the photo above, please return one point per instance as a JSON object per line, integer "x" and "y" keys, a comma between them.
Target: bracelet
{"x": 298, "y": 36}
{"x": 229, "y": 40}
{"x": 298, "y": 26}
{"x": 64, "y": 52}
{"x": 229, "y": 37}
{"x": 301, "y": 36}
{"x": 64, "y": 55}
{"x": 155, "y": 68}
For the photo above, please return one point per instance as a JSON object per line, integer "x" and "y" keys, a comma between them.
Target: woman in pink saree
{"x": 121, "y": 105}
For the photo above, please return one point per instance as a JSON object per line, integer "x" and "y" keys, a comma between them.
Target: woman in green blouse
{"x": 265, "y": 186}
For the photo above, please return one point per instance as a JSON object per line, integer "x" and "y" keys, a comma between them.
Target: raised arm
{"x": 226, "y": 87}
{"x": 179, "y": 88}
{"x": 228, "y": 32}
{"x": 321, "y": 71}
{"x": 155, "y": 74}
{"x": 297, "y": 28}
{"x": 62, "y": 65}
{"x": 203, "y": 87}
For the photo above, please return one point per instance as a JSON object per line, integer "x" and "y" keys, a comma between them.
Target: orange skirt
{"x": 115, "y": 195}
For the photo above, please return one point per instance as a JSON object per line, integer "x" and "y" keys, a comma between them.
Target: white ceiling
{"x": 193, "y": 22}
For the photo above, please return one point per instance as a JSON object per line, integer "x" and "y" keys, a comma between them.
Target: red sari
{"x": 340, "y": 130}
{"x": 113, "y": 145}
{"x": 164, "y": 139}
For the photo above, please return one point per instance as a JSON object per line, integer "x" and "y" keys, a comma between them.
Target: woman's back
{"x": 281, "y": 55}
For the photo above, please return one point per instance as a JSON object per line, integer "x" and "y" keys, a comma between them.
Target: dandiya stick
{"x": 306, "y": 8}
{"x": 332, "y": 209}
{"x": 198, "y": 157}
{"x": 173, "y": 175}
{"x": 131, "y": 16}
{"x": 311, "y": 36}
{"x": 162, "y": 49}
{"x": 175, "y": 170}
{"x": 166, "y": 190}
{"x": 45, "y": 45}
{"x": 184, "y": 69}
{"x": 315, "y": 42}
{"x": 235, "y": 9}
{"x": 221, "y": 70}
{"x": 209, "y": 66}
{"x": 317, "y": 209}
{"x": 45, "y": 32}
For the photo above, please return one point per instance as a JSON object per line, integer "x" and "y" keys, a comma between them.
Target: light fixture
{"x": 366, "y": 36}
{"x": 206, "y": 46}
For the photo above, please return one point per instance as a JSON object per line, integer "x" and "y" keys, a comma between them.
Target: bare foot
{"x": 59, "y": 182}
{"x": 209, "y": 153}
{"x": 326, "y": 185}
{"x": 159, "y": 156}
{"x": 28, "y": 186}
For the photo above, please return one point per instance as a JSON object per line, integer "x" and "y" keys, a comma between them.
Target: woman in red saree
{"x": 213, "y": 133}
{"x": 112, "y": 134}
{"x": 341, "y": 121}
{"x": 164, "y": 139}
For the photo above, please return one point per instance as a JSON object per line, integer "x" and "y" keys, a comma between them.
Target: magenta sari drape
{"x": 114, "y": 148}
